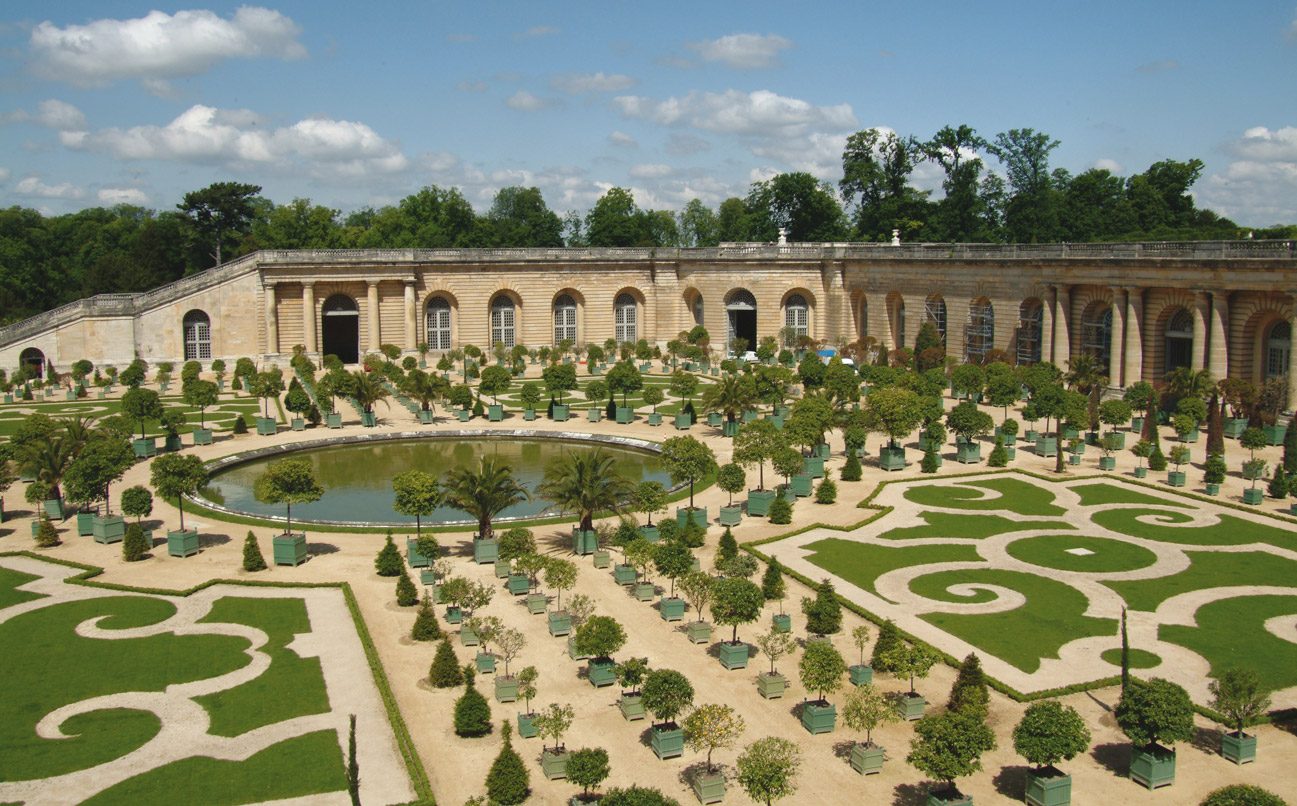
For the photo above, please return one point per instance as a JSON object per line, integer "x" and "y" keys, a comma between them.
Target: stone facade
{"x": 1142, "y": 308}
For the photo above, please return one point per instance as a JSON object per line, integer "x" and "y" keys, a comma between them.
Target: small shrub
{"x": 827, "y": 492}
{"x": 1157, "y": 459}
{"x": 135, "y": 546}
{"x": 781, "y": 510}
{"x": 999, "y": 454}
{"x": 46, "y": 535}
{"x": 240, "y": 424}
{"x": 406, "y": 594}
{"x": 929, "y": 463}
{"x": 252, "y": 559}
{"x": 727, "y": 548}
{"x": 472, "y": 712}
{"x": 851, "y": 471}
{"x": 388, "y": 563}
{"x": 508, "y": 782}
{"x": 1214, "y": 470}
{"x": 445, "y": 671}
{"x": 1242, "y": 795}
{"x": 425, "y": 627}
{"x": 1278, "y": 487}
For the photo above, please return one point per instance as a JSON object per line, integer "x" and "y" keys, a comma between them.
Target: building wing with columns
{"x": 1142, "y": 309}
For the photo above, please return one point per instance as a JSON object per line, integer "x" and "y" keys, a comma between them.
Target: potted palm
{"x": 822, "y": 668}
{"x": 865, "y": 709}
{"x": 598, "y": 638}
{"x": 583, "y": 484}
{"x": 666, "y": 694}
{"x": 366, "y": 389}
{"x": 1048, "y": 733}
{"x": 1238, "y": 694}
{"x": 630, "y": 674}
{"x": 775, "y": 644}
{"x": 484, "y": 492}
{"x": 1150, "y": 713}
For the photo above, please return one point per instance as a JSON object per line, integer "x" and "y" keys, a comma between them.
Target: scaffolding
{"x": 979, "y": 332}
{"x": 1030, "y": 332}
{"x": 1096, "y": 334}
{"x": 935, "y": 312}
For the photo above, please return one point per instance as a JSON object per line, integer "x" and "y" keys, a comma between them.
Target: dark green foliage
{"x": 406, "y": 594}
{"x": 824, "y": 612}
{"x": 388, "y": 563}
{"x": 508, "y": 781}
{"x": 1125, "y": 653}
{"x": 636, "y": 796}
{"x": 949, "y": 745}
{"x": 1156, "y": 460}
{"x": 472, "y": 712}
{"x": 727, "y": 548}
{"x": 252, "y": 559}
{"x": 1290, "y": 445}
{"x": 353, "y": 765}
{"x": 889, "y": 637}
{"x": 1154, "y": 711}
{"x": 1214, "y": 470}
{"x": 999, "y": 454}
{"x": 46, "y": 534}
{"x": 425, "y": 627}
{"x": 929, "y": 463}
{"x": 445, "y": 671}
{"x": 587, "y": 767}
{"x": 772, "y": 582}
{"x": 781, "y": 510}
{"x": 1278, "y": 487}
{"x": 851, "y": 471}
{"x": 1237, "y": 795}
{"x": 827, "y": 492}
{"x": 240, "y": 424}
{"x": 969, "y": 691}
{"x": 134, "y": 545}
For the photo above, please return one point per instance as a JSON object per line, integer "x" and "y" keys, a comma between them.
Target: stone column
{"x": 375, "y": 338}
{"x": 1062, "y": 328}
{"x": 1047, "y": 325}
{"x": 1134, "y": 337}
{"x": 1116, "y": 341}
{"x": 272, "y": 319}
{"x": 1218, "y": 354}
{"x": 1199, "y": 352}
{"x": 411, "y": 319}
{"x": 308, "y": 316}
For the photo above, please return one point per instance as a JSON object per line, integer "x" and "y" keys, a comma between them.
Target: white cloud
{"x": 159, "y": 46}
{"x": 123, "y": 196}
{"x": 1112, "y": 166}
{"x": 1261, "y": 143}
{"x": 203, "y": 134}
{"x": 33, "y": 186}
{"x": 818, "y": 154}
{"x": 472, "y": 86}
{"x": 1260, "y": 187}
{"x": 743, "y": 51}
{"x": 650, "y": 170}
{"x": 623, "y": 140}
{"x": 526, "y": 102}
{"x": 4, "y": 174}
{"x": 60, "y": 115}
{"x": 759, "y": 114}
{"x": 536, "y": 31}
{"x": 581, "y": 83}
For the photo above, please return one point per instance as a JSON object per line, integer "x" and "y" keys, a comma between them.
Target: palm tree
{"x": 1188, "y": 382}
{"x": 586, "y": 483}
{"x": 730, "y": 396}
{"x": 1087, "y": 376}
{"x": 424, "y": 387}
{"x": 484, "y": 492}
{"x": 368, "y": 389}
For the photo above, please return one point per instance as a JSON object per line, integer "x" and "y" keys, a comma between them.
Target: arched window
{"x": 979, "y": 334}
{"x": 797, "y": 316}
{"x": 1278, "y": 350}
{"x": 626, "y": 315}
{"x": 935, "y": 311}
{"x": 198, "y": 336}
{"x": 564, "y": 319}
{"x": 1179, "y": 341}
{"x": 502, "y": 318}
{"x": 1030, "y": 329}
{"x": 438, "y": 324}
{"x": 1096, "y": 333}
{"x": 698, "y": 309}
{"x": 33, "y": 361}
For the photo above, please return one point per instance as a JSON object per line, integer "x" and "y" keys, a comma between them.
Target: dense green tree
{"x": 218, "y": 214}
{"x": 252, "y": 558}
{"x": 508, "y": 781}
{"x": 802, "y": 205}
{"x": 288, "y": 482}
{"x": 472, "y": 711}
{"x": 445, "y": 671}
{"x": 698, "y": 225}
{"x": 519, "y": 217}
{"x": 876, "y": 167}
{"x": 1032, "y": 211}
{"x": 824, "y": 612}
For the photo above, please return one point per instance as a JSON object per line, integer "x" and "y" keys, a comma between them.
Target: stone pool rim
{"x": 215, "y": 466}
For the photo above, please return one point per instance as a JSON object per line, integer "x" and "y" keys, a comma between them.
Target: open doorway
{"x": 341, "y": 328}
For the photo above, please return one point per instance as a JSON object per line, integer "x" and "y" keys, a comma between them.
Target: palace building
{"x": 1142, "y": 309}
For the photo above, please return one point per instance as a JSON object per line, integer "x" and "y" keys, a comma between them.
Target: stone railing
{"x": 100, "y": 305}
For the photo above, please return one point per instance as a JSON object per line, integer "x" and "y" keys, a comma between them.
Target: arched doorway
{"x": 197, "y": 328}
{"x": 1278, "y": 350}
{"x": 341, "y": 328}
{"x": 33, "y": 361}
{"x": 741, "y": 313}
{"x": 1030, "y": 331}
{"x": 1179, "y": 341}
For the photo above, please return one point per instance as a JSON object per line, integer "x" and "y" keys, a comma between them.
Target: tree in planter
{"x": 969, "y": 691}
{"x": 653, "y": 396}
{"x": 530, "y": 395}
{"x": 472, "y": 711}
{"x": 554, "y": 723}
{"x": 367, "y": 389}
{"x": 560, "y": 575}
{"x": 1142, "y": 450}
{"x": 811, "y": 419}
{"x": 202, "y": 394}
{"x": 559, "y": 379}
{"x": 596, "y": 392}
{"x": 624, "y": 379}
{"x": 907, "y": 660}
{"x": 527, "y": 686}
{"x": 1214, "y": 470}
{"x": 775, "y": 645}
{"x": 698, "y": 589}
{"x": 867, "y": 708}
{"x": 1238, "y": 694}
{"x": 267, "y": 385}
{"x": 103, "y": 460}
{"x": 860, "y": 639}
{"x": 649, "y": 497}
{"x": 388, "y": 562}
{"x": 895, "y": 412}
{"x": 587, "y": 768}
{"x": 142, "y": 405}
{"x": 425, "y": 626}
{"x": 423, "y": 388}
{"x": 666, "y": 695}
{"x": 176, "y": 475}
{"x": 824, "y": 612}
{"x": 968, "y": 421}
{"x": 1050, "y": 732}
{"x": 684, "y": 386}
{"x": 297, "y": 401}
{"x": 516, "y": 542}
{"x": 137, "y": 502}
{"x": 252, "y": 559}
{"x": 730, "y": 396}
{"x": 484, "y": 492}
{"x": 599, "y": 637}
{"x": 1154, "y": 711}
{"x": 736, "y": 601}
{"x": 731, "y": 479}
{"x": 768, "y": 769}
{"x": 787, "y": 462}
{"x": 1254, "y": 470}
{"x": 673, "y": 560}
{"x": 688, "y": 460}
{"x": 586, "y": 483}
{"x": 711, "y": 727}
{"x": 416, "y": 493}
{"x": 445, "y": 671}
{"x": 288, "y": 482}
{"x": 773, "y": 586}
{"x": 508, "y": 641}
{"x": 495, "y": 381}
{"x": 821, "y": 669}
{"x": 630, "y": 675}
{"x": 461, "y": 397}
{"x": 950, "y": 745}
{"x": 755, "y": 444}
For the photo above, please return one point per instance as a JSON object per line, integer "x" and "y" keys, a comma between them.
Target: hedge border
{"x": 404, "y": 742}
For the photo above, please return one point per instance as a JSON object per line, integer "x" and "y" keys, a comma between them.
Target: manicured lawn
{"x": 1014, "y": 495}
{"x": 310, "y": 764}
{"x": 1051, "y": 551}
{"x": 1209, "y": 569}
{"x": 1228, "y": 531}
{"x": 971, "y": 527}
{"x": 862, "y": 564}
{"x": 1053, "y": 615}
{"x": 293, "y": 686}
{"x": 218, "y": 417}
{"x": 1139, "y": 658}
{"x": 1232, "y": 632}
{"x": 1104, "y": 493}
{"x": 10, "y": 581}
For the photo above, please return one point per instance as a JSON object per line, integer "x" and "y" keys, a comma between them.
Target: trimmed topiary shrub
{"x": 781, "y": 511}
{"x": 508, "y": 782}
{"x": 969, "y": 691}
{"x": 727, "y": 548}
{"x": 472, "y": 711}
{"x": 1242, "y": 795}
{"x": 46, "y": 534}
{"x": 425, "y": 626}
{"x": 406, "y": 594}
{"x": 637, "y": 795}
{"x": 929, "y": 463}
{"x": 445, "y": 671}
{"x": 252, "y": 559}
{"x": 824, "y": 612}
{"x": 1157, "y": 459}
{"x": 999, "y": 454}
{"x": 240, "y": 425}
{"x": 827, "y": 492}
{"x": 851, "y": 471}
{"x": 388, "y": 563}
{"x": 135, "y": 546}
{"x": 889, "y": 638}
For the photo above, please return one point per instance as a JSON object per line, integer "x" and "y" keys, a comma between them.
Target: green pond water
{"x": 357, "y": 477}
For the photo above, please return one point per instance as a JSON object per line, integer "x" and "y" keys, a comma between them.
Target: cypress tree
{"x": 445, "y": 671}
{"x": 388, "y": 563}
{"x": 1125, "y": 653}
{"x": 781, "y": 510}
{"x": 1215, "y": 424}
{"x": 1279, "y": 484}
{"x": 889, "y": 637}
{"x": 824, "y": 612}
{"x": 851, "y": 470}
{"x": 240, "y": 424}
{"x": 772, "y": 582}
{"x": 727, "y": 548}
{"x": 969, "y": 691}
{"x": 134, "y": 545}
{"x": 46, "y": 534}
{"x": 929, "y": 463}
{"x": 252, "y": 559}
{"x": 353, "y": 766}
{"x": 406, "y": 594}
{"x": 999, "y": 454}
{"x": 507, "y": 782}
{"x": 1290, "y": 445}
{"x": 472, "y": 711}
{"x": 425, "y": 627}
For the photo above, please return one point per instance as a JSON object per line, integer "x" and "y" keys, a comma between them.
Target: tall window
{"x": 502, "y": 317}
{"x": 796, "y": 315}
{"x": 1179, "y": 340}
{"x": 626, "y": 314}
{"x": 1030, "y": 327}
{"x": 979, "y": 334}
{"x": 198, "y": 336}
{"x": 1096, "y": 334}
{"x": 1278, "y": 352}
{"x": 564, "y": 319}
{"x": 438, "y": 324}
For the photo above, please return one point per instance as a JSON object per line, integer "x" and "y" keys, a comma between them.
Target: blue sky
{"x": 353, "y": 104}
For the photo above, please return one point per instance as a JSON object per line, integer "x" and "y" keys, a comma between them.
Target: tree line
{"x": 46, "y": 261}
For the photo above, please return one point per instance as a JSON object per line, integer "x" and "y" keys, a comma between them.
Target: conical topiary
{"x": 406, "y": 594}
{"x": 889, "y": 637}
{"x": 781, "y": 510}
{"x": 252, "y": 559}
{"x": 472, "y": 711}
{"x": 425, "y": 627}
{"x": 772, "y": 582}
{"x": 929, "y": 463}
{"x": 240, "y": 425}
{"x": 999, "y": 454}
{"x": 508, "y": 781}
{"x": 969, "y": 690}
{"x": 445, "y": 671}
{"x": 727, "y": 548}
{"x": 134, "y": 545}
{"x": 824, "y": 612}
{"x": 851, "y": 471}
{"x": 388, "y": 563}
{"x": 827, "y": 492}
{"x": 46, "y": 534}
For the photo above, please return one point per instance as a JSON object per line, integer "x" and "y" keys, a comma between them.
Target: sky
{"x": 361, "y": 104}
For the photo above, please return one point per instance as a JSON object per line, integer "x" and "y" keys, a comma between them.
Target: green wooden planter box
{"x": 623, "y": 574}
{"x": 289, "y": 549}
{"x": 333, "y": 420}
{"x": 709, "y": 787}
{"x": 683, "y": 421}
{"x": 891, "y": 458}
{"x": 668, "y": 741}
{"x": 734, "y": 656}
{"x": 1234, "y": 428}
{"x": 777, "y": 420}
{"x": 912, "y": 706}
{"x": 671, "y": 609}
{"x": 526, "y": 726}
{"x": 485, "y": 663}
{"x": 182, "y": 543}
{"x": 1046, "y": 446}
{"x": 201, "y": 436}
{"x": 625, "y": 415}
{"x": 801, "y": 485}
{"x": 1238, "y": 748}
{"x": 468, "y": 636}
{"x": 819, "y": 717}
{"x": 571, "y": 650}
{"x": 949, "y": 798}
{"x": 749, "y": 415}
{"x": 697, "y": 514}
{"x": 1176, "y": 478}
{"x": 1253, "y": 496}
{"x": 428, "y": 578}
{"x": 486, "y": 551}
{"x": 1211, "y": 489}
{"x": 968, "y": 452}
{"x": 867, "y": 759}
{"x": 454, "y": 615}
{"x": 584, "y": 542}
{"x": 714, "y": 419}
{"x": 822, "y": 451}
{"x": 1153, "y": 766}
{"x": 297, "y": 424}
{"x": 495, "y": 413}
{"x": 1071, "y": 432}
{"x": 1273, "y": 434}
{"x": 559, "y": 623}
{"x": 1141, "y": 472}
{"x": 698, "y": 632}
{"x": 267, "y": 427}
{"x": 650, "y": 533}
{"x": 593, "y": 415}
{"x": 503, "y": 568}
{"x": 631, "y": 707}
{"x": 561, "y": 413}
{"x": 144, "y": 448}
{"x": 529, "y": 414}
{"x": 602, "y": 559}
{"x": 601, "y": 672}
{"x": 731, "y": 516}
{"x": 759, "y": 502}
{"x": 786, "y": 490}
{"x": 537, "y": 603}
{"x": 1074, "y": 458}
{"x": 425, "y": 417}
{"x": 860, "y": 675}
{"x": 813, "y": 466}
{"x": 463, "y": 415}
{"x": 1107, "y": 463}
{"x": 771, "y": 686}
{"x": 172, "y": 444}
{"x": 85, "y": 523}
{"x": 554, "y": 764}
{"x": 654, "y": 418}
{"x": 107, "y": 528}
{"x": 644, "y": 591}
{"x": 730, "y": 428}
{"x": 414, "y": 556}
{"x": 1048, "y": 786}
